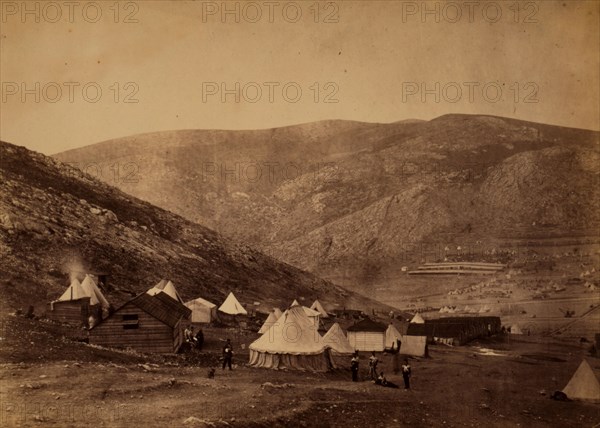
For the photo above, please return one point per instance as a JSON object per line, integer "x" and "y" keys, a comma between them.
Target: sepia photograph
{"x": 350, "y": 213}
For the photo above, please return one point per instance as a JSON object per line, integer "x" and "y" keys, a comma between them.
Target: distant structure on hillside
{"x": 458, "y": 268}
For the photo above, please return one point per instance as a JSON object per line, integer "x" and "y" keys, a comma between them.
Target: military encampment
{"x": 345, "y": 214}
{"x": 212, "y": 334}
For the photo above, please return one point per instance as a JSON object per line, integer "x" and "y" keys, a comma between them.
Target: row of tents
{"x": 465, "y": 309}
{"x": 292, "y": 341}
{"x": 203, "y": 311}
{"x": 159, "y": 314}
{"x": 82, "y": 300}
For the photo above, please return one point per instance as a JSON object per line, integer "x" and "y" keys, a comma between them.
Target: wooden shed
{"x": 367, "y": 335}
{"x": 145, "y": 323}
{"x": 75, "y": 312}
{"x": 72, "y": 307}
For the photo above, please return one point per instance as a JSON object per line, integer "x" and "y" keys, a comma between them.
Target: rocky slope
{"x": 55, "y": 220}
{"x": 355, "y": 199}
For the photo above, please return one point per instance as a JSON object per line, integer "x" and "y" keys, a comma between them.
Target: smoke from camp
{"x": 73, "y": 267}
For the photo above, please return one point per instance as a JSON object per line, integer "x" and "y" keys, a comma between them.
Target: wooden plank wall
{"x": 150, "y": 336}
{"x": 74, "y": 312}
{"x": 367, "y": 341}
{"x": 178, "y": 334}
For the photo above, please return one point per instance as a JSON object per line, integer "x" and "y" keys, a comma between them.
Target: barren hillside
{"x": 354, "y": 199}
{"x": 55, "y": 220}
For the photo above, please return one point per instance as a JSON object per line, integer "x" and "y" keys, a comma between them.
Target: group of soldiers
{"x": 379, "y": 378}
{"x": 196, "y": 341}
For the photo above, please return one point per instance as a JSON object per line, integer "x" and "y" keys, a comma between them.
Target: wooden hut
{"x": 367, "y": 335}
{"x": 145, "y": 323}
{"x": 72, "y": 307}
{"x": 74, "y": 312}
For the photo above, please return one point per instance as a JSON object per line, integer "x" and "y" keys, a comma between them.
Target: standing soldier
{"x": 354, "y": 367}
{"x": 406, "y": 374}
{"x": 188, "y": 333}
{"x": 199, "y": 339}
{"x": 373, "y": 366}
{"x": 227, "y": 354}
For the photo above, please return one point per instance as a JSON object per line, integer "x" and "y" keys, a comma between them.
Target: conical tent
{"x": 584, "y": 384}
{"x": 165, "y": 286}
{"x": 271, "y": 319}
{"x": 337, "y": 340}
{"x": 231, "y": 306}
{"x": 172, "y": 292}
{"x": 72, "y": 307}
{"x": 293, "y": 343}
{"x": 311, "y": 312}
{"x": 93, "y": 292}
{"x": 417, "y": 319}
{"x": 392, "y": 335}
{"x": 277, "y": 313}
{"x": 73, "y": 292}
{"x": 316, "y": 306}
{"x": 203, "y": 311}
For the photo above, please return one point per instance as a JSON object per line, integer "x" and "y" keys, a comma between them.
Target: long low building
{"x": 456, "y": 330}
{"x": 458, "y": 268}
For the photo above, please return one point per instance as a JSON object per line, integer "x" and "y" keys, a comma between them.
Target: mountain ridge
{"x": 453, "y": 179}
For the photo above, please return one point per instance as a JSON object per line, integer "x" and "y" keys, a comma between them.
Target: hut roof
{"x": 368, "y": 324}
{"x": 161, "y": 306}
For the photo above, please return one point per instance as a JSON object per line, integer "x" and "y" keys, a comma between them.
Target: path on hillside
{"x": 567, "y": 325}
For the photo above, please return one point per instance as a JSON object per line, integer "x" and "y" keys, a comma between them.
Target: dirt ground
{"x": 49, "y": 380}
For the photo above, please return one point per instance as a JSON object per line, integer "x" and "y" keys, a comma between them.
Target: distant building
{"x": 456, "y": 330}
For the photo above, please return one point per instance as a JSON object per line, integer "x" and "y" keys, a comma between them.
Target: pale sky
{"x": 374, "y": 58}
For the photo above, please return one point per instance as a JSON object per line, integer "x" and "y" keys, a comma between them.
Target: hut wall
{"x": 367, "y": 341}
{"x": 74, "y": 312}
{"x": 145, "y": 334}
